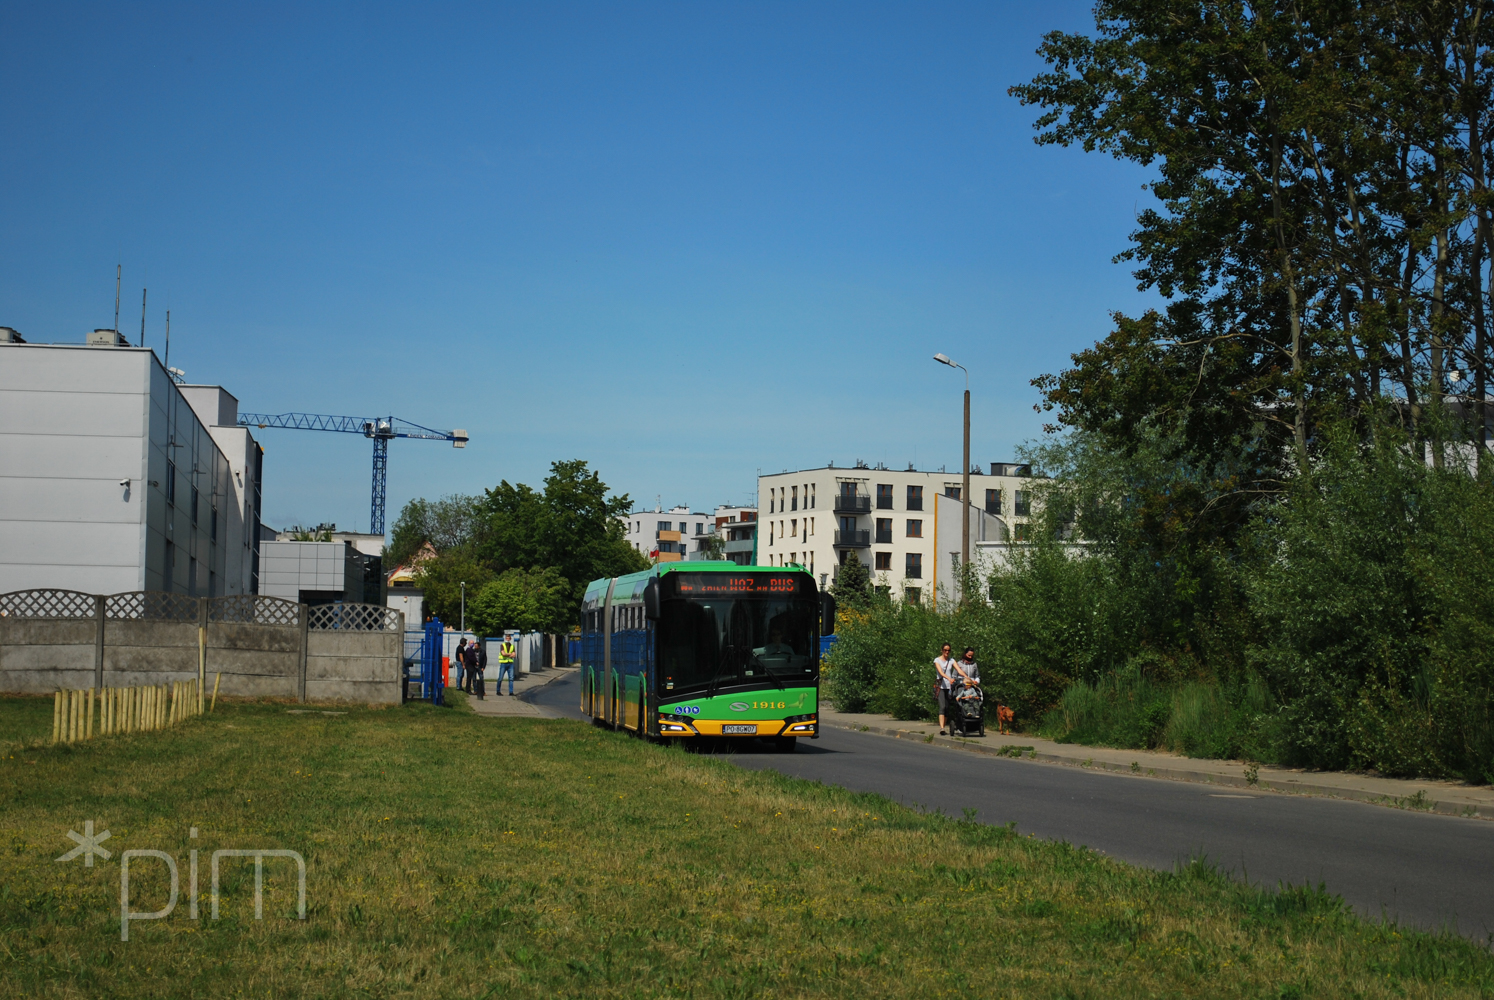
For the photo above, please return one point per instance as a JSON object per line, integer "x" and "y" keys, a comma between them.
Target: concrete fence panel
{"x": 48, "y": 638}
{"x": 262, "y": 646}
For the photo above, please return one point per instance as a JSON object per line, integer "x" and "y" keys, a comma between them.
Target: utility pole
{"x": 143, "y": 293}
{"x": 964, "y": 573}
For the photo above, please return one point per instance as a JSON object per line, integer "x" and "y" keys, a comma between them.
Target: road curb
{"x": 1266, "y": 781}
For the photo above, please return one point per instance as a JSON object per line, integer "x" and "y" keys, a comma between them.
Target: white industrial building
{"x": 114, "y": 478}
{"x": 904, "y": 526}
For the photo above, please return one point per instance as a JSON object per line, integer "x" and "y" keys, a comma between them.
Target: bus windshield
{"x": 734, "y": 641}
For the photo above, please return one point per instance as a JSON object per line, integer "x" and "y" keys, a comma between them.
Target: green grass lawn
{"x": 457, "y": 856}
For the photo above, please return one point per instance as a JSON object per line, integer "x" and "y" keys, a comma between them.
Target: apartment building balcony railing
{"x": 884, "y": 536}
{"x": 848, "y": 503}
{"x": 739, "y": 545}
{"x": 852, "y": 539}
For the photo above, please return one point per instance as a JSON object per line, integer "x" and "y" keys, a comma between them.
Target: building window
{"x": 192, "y": 576}
{"x": 915, "y": 498}
{"x": 1021, "y": 503}
{"x": 913, "y": 565}
{"x": 169, "y": 569}
{"x": 993, "y": 501}
{"x": 1022, "y": 532}
{"x": 915, "y": 528}
{"x": 794, "y": 499}
{"x": 811, "y": 525}
{"x": 811, "y": 496}
{"x": 195, "y": 497}
{"x": 884, "y": 496}
{"x": 884, "y": 560}
{"x": 215, "y": 522}
{"x": 912, "y": 594}
{"x": 171, "y": 483}
{"x": 884, "y": 531}
{"x": 665, "y": 525}
{"x": 699, "y": 528}
{"x": 953, "y": 492}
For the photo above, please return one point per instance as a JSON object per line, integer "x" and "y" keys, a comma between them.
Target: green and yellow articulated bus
{"x": 704, "y": 651}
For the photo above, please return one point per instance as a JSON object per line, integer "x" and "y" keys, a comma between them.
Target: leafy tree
{"x": 852, "y": 587}
{"x": 570, "y": 529}
{"x": 536, "y": 600}
{"x": 442, "y": 578}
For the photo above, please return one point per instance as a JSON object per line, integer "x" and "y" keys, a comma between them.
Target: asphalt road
{"x": 1418, "y": 869}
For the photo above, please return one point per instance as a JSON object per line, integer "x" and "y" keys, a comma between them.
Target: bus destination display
{"x": 742, "y": 585}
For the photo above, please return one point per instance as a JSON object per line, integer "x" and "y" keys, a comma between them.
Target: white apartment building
{"x": 737, "y": 527}
{"x": 903, "y": 525}
{"x": 114, "y": 478}
{"x": 670, "y": 535}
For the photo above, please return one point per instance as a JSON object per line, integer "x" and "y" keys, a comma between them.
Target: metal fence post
{"x": 98, "y": 640}
{"x": 305, "y": 628}
{"x": 202, "y": 621}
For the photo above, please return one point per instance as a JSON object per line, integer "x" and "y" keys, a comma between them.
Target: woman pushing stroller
{"x": 960, "y": 695}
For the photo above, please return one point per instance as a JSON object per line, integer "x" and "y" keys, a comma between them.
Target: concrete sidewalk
{"x": 1451, "y": 798}
{"x": 502, "y": 705}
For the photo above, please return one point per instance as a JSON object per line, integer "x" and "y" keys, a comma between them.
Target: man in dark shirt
{"x": 480, "y": 667}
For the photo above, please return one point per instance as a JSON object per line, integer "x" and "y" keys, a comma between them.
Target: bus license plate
{"x": 739, "y": 730}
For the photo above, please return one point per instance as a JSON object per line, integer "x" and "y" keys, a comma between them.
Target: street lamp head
{"x": 943, "y": 359}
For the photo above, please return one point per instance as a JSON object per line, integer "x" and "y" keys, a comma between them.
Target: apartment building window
{"x": 884, "y": 496}
{"x": 884, "y": 560}
{"x": 192, "y": 576}
{"x": 811, "y": 496}
{"x": 665, "y": 525}
{"x": 912, "y": 594}
{"x": 1022, "y": 532}
{"x": 794, "y": 499}
{"x": 913, "y": 565}
{"x": 215, "y": 522}
{"x": 915, "y": 528}
{"x": 195, "y": 498}
{"x": 915, "y": 498}
{"x": 699, "y": 527}
{"x": 1021, "y": 503}
{"x": 794, "y": 526}
{"x": 771, "y": 496}
{"x": 811, "y": 525}
{"x": 953, "y": 492}
{"x": 171, "y": 483}
{"x": 884, "y": 531}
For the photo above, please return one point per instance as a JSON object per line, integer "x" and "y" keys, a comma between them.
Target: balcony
{"x": 852, "y": 539}
{"x": 739, "y": 545}
{"x": 851, "y": 503}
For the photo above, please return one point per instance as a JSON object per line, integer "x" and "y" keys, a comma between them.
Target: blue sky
{"x": 684, "y": 242}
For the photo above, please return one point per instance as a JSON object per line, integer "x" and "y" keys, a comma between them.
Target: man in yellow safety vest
{"x": 506, "y": 654}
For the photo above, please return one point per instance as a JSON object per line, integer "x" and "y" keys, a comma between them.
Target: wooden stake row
{"x": 125, "y": 710}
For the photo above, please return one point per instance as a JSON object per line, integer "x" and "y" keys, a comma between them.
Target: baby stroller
{"x": 967, "y": 717}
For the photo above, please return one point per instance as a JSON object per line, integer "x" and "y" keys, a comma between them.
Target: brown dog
{"x": 1004, "y": 718}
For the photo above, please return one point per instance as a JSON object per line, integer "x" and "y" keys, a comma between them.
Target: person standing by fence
{"x": 480, "y": 667}
{"x": 459, "y": 661}
{"x": 506, "y": 654}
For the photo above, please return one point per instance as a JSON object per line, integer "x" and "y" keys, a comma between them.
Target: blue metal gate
{"x": 422, "y": 663}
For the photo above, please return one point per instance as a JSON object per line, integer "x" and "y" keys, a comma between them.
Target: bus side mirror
{"x": 651, "y": 600}
{"x": 827, "y": 614}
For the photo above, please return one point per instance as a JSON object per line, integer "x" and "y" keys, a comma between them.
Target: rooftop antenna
{"x": 118, "y": 270}
{"x": 143, "y": 293}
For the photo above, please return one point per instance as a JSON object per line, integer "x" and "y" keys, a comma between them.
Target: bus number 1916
{"x": 769, "y": 704}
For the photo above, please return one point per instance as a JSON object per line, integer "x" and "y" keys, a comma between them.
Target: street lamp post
{"x": 965, "y": 481}
{"x": 464, "y": 588}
